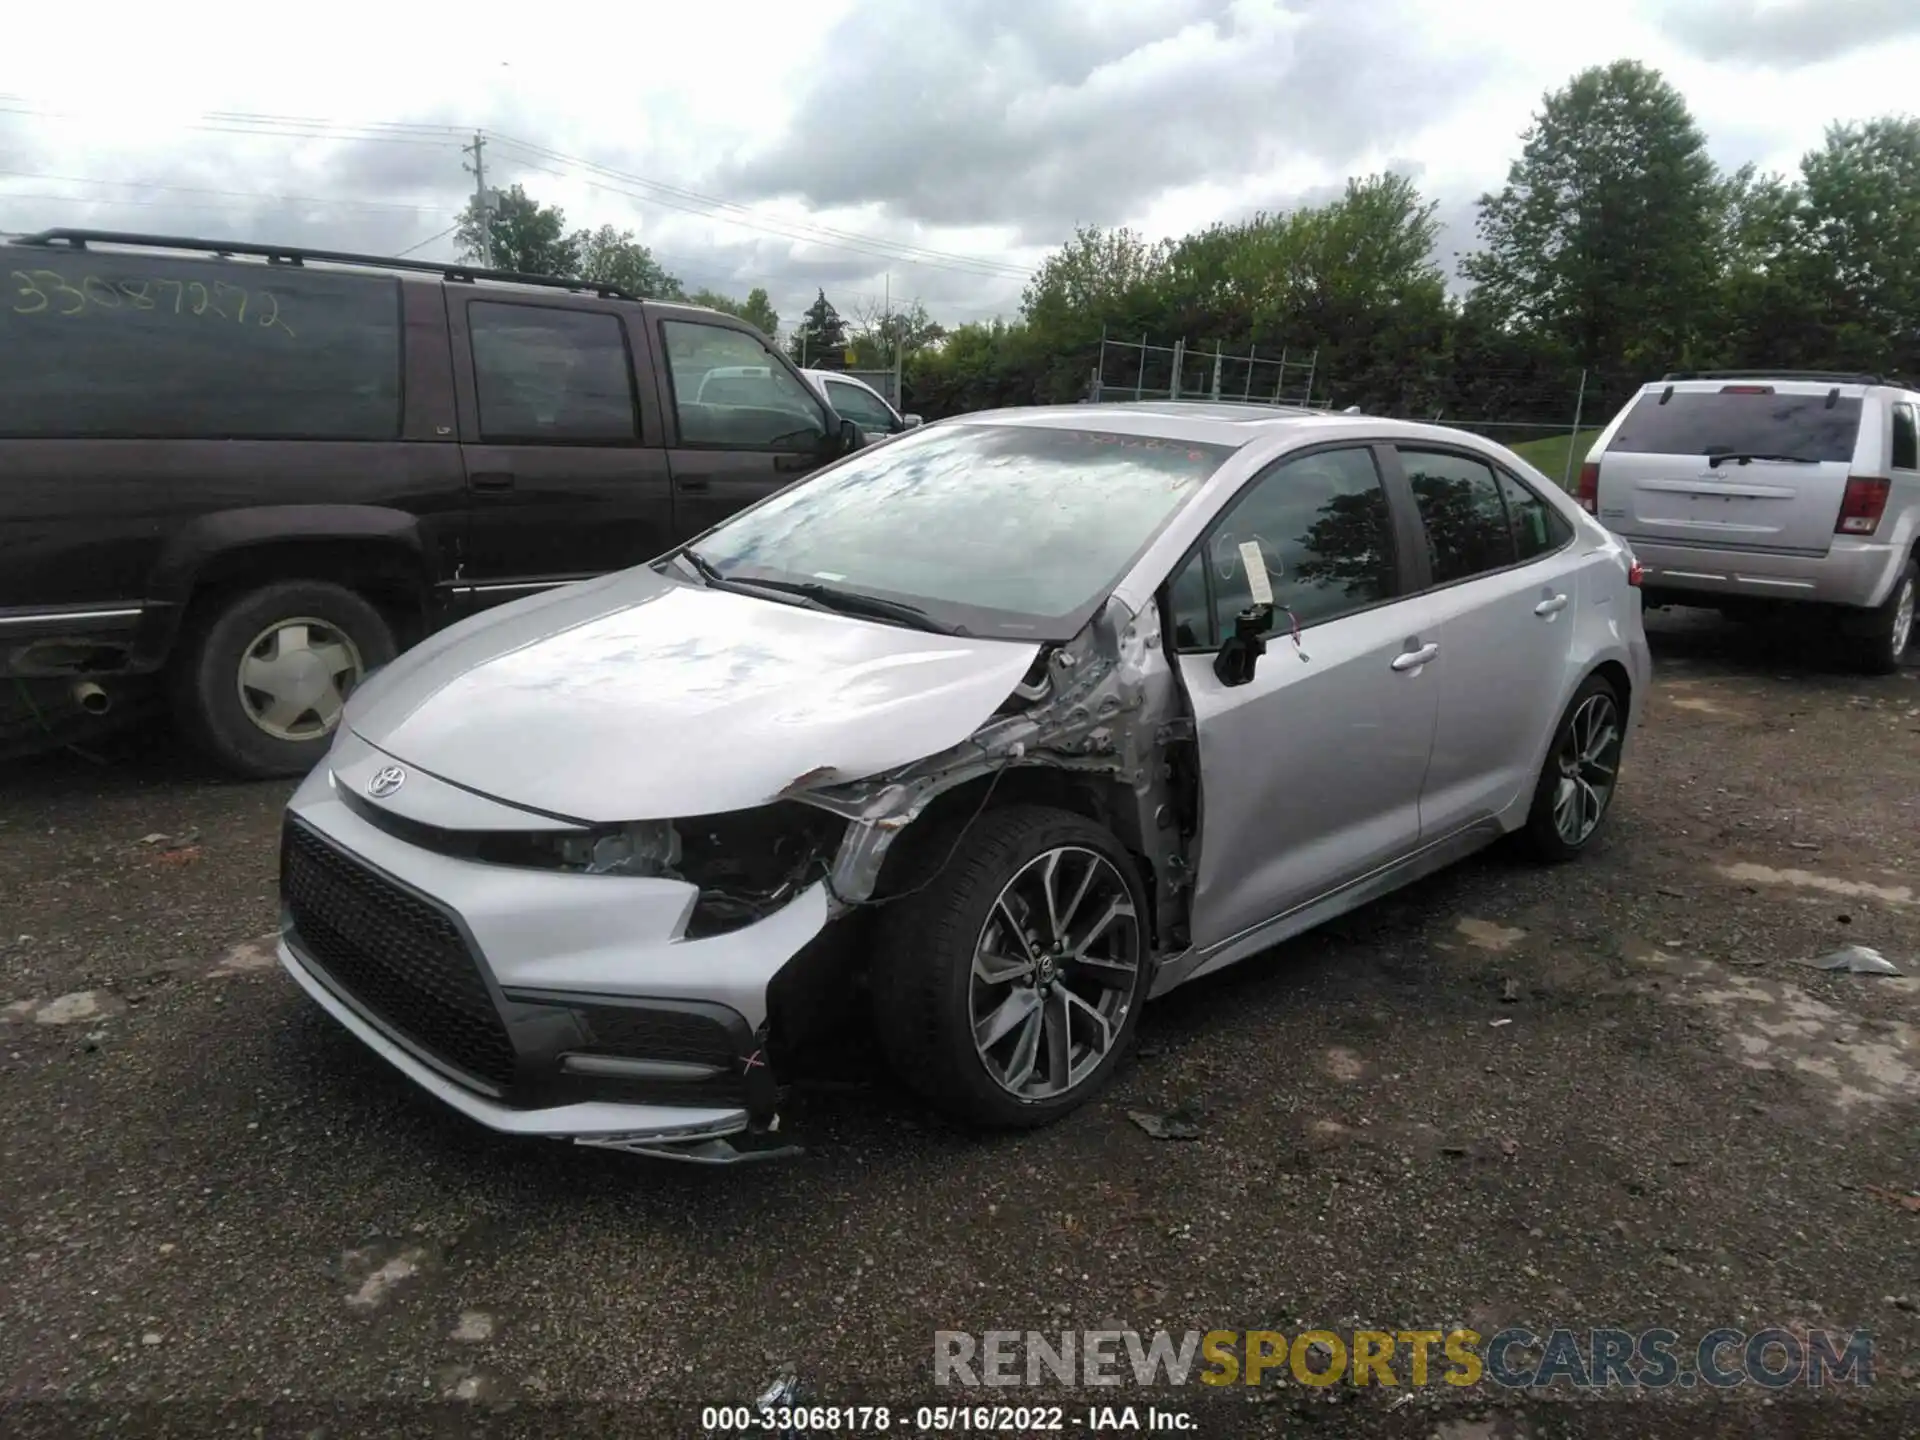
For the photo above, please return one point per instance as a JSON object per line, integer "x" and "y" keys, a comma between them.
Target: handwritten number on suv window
{"x": 52, "y": 293}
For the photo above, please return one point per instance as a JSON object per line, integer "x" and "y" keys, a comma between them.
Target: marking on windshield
{"x": 828, "y": 575}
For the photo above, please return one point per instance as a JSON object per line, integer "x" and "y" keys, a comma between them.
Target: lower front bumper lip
{"x": 692, "y": 1133}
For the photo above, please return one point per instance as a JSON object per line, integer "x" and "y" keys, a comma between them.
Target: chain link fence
{"x": 1142, "y": 370}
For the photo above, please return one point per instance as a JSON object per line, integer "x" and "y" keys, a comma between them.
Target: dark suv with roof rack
{"x": 257, "y": 472}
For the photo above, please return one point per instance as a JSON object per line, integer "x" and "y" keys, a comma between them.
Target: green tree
{"x": 903, "y": 333}
{"x": 1861, "y": 241}
{"x": 1608, "y": 234}
{"x": 820, "y": 339}
{"x": 613, "y": 257}
{"x": 528, "y": 238}
{"x": 757, "y": 310}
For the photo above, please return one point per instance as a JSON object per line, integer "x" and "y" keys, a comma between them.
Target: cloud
{"x": 976, "y": 128}
{"x": 1058, "y": 112}
{"x": 1786, "y": 34}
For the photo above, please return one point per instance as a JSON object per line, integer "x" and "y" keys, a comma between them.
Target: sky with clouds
{"x": 886, "y": 150}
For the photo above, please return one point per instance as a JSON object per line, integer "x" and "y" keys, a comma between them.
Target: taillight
{"x": 1862, "y": 506}
{"x": 1636, "y": 572}
{"x": 1587, "y": 492}
{"x": 1746, "y": 389}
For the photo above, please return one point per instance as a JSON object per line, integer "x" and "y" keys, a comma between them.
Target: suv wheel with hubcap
{"x": 261, "y": 680}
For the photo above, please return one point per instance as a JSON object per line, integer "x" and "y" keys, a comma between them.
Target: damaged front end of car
{"x": 1098, "y": 726}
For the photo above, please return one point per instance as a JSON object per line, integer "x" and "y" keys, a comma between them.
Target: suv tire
{"x": 1880, "y": 643}
{"x": 259, "y": 678}
{"x": 931, "y": 1001}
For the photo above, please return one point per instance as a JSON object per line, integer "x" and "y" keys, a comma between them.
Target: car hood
{"x": 636, "y": 697}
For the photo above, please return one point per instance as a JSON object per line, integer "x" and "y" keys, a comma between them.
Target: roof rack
{"x": 1831, "y": 377}
{"x": 296, "y": 255}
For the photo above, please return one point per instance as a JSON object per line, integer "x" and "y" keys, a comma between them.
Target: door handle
{"x": 492, "y": 479}
{"x": 1414, "y": 659}
{"x": 1551, "y": 606}
{"x": 693, "y": 483}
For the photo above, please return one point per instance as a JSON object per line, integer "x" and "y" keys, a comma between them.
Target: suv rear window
{"x": 130, "y": 347}
{"x": 1694, "y": 422}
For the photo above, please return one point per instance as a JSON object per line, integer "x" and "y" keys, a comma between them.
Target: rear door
{"x": 742, "y": 423}
{"x": 1736, "y": 465}
{"x": 1501, "y": 605}
{"x": 564, "y": 481}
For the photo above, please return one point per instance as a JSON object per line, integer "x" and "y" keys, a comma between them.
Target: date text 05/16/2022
{"x": 943, "y": 1419}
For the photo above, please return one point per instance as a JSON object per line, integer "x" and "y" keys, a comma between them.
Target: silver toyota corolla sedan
{"x": 999, "y": 730}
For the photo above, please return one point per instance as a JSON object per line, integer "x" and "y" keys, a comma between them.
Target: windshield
{"x": 1741, "y": 421}
{"x": 1016, "y": 529}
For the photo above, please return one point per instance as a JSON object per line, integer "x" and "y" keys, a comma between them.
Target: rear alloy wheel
{"x": 1880, "y": 647}
{"x": 1582, "y": 769}
{"x": 261, "y": 682}
{"x": 1008, "y": 989}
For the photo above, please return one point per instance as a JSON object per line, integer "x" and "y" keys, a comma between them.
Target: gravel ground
{"x": 1597, "y": 1095}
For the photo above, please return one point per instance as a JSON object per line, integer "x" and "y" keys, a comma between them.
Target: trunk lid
{"x": 1753, "y": 465}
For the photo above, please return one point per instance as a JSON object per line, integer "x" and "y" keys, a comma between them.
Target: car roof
{"x": 1214, "y": 423}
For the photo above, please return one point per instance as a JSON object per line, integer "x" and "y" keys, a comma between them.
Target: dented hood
{"x": 635, "y": 698}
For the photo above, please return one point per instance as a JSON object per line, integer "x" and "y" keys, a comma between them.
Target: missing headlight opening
{"x": 746, "y": 863}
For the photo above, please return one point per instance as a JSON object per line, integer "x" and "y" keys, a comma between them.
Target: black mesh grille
{"x": 650, "y": 1034}
{"x": 401, "y": 958}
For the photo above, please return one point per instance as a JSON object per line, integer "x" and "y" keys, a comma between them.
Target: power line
{"x": 901, "y": 249}
{"x": 200, "y": 190}
{"x": 402, "y": 254}
{"x": 700, "y": 271}
{"x": 671, "y": 196}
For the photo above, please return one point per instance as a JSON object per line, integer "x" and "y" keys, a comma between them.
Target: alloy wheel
{"x": 1903, "y": 620}
{"x": 1589, "y": 761}
{"x": 1055, "y": 970}
{"x": 295, "y": 677}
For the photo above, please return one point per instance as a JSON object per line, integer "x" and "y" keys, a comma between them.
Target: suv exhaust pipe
{"x": 91, "y": 698}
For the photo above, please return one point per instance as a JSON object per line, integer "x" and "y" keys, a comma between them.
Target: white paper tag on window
{"x": 1256, "y": 564}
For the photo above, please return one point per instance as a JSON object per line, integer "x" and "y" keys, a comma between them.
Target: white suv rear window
{"x": 1741, "y": 420}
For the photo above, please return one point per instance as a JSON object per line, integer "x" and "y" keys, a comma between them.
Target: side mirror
{"x": 850, "y": 437}
{"x": 1235, "y": 662}
{"x": 911, "y": 422}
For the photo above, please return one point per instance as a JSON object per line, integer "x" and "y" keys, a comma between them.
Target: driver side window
{"x": 1321, "y": 525}
{"x": 731, "y": 393}
{"x": 858, "y": 406}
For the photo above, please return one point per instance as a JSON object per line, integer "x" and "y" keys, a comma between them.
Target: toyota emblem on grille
{"x": 387, "y": 780}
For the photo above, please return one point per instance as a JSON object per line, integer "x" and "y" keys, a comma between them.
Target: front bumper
{"x": 1857, "y": 573}
{"x": 538, "y": 1002}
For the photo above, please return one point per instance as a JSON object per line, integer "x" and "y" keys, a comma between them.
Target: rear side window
{"x": 550, "y": 377}
{"x": 1462, "y": 512}
{"x": 1741, "y": 421}
{"x": 1538, "y": 528}
{"x": 129, "y": 347}
{"x": 1906, "y": 438}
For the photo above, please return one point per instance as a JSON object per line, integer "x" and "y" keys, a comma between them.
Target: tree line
{"x": 1616, "y": 249}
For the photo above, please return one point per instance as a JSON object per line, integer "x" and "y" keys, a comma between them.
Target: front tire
{"x": 1574, "y": 794}
{"x": 1007, "y": 990}
{"x": 260, "y": 680}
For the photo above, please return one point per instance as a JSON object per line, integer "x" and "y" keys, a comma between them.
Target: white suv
{"x": 1742, "y": 489}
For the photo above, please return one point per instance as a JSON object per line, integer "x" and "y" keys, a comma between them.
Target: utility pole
{"x": 484, "y": 201}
